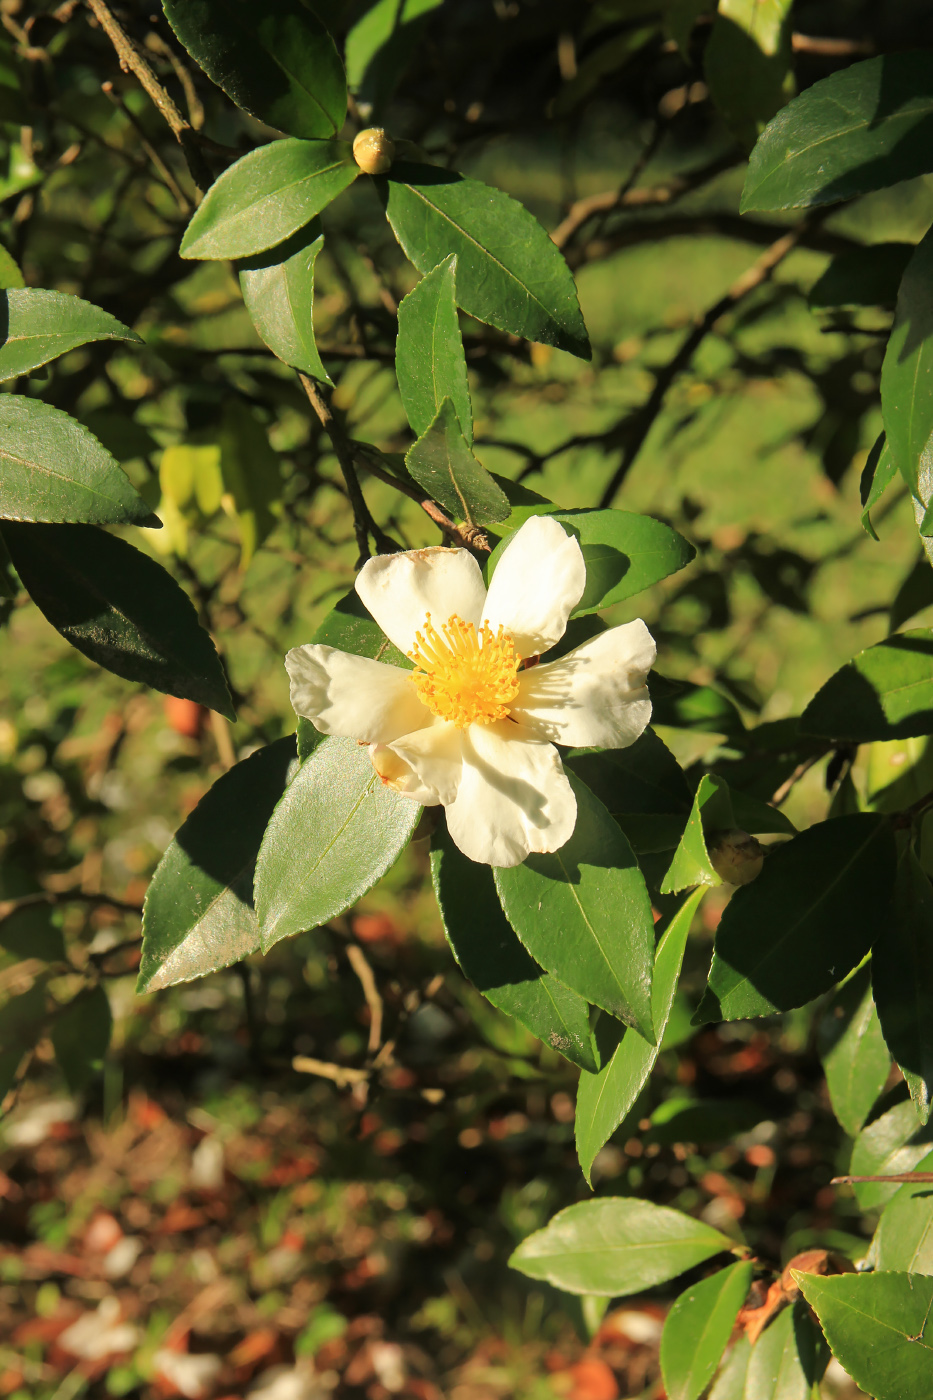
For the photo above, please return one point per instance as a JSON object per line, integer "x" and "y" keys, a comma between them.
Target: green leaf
{"x": 878, "y": 473}
{"x": 683, "y": 705}
{"x": 615, "y": 1246}
{"x": 644, "y": 781}
{"x": 606, "y": 58}
{"x": 680, "y": 20}
{"x": 490, "y": 955}
{"x": 863, "y": 277}
{"x": 788, "y": 1359}
{"x": 381, "y": 44}
{"x": 199, "y": 914}
{"x": 697, "y": 1330}
{"x": 902, "y": 977}
{"x": 717, "y": 809}
{"x": 349, "y": 627}
{"x": 907, "y": 371}
{"x": 37, "y": 326}
{"x": 584, "y": 914}
{"x": 747, "y": 62}
{"x": 267, "y": 196}
{"x": 860, "y": 129}
{"x": 914, "y": 594}
{"x": 730, "y": 1383}
{"x": 895, "y": 1142}
{"x": 878, "y": 1326}
{"x": 903, "y": 1242}
{"x": 81, "y": 1033}
{"x": 33, "y": 931}
{"x": 22, "y": 1019}
{"x": 856, "y": 1060}
{"x": 807, "y": 920}
{"x": 276, "y": 61}
{"x": 335, "y": 832}
{"x": 120, "y": 608}
{"x": 53, "y": 470}
{"x": 624, "y": 553}
{"x": 604, "y": 1099}
{"x": 278, "y": 290}
{"x": 429, "y": 361}
{"x": 251, "y": 473}
{"x": 10, "y": 274}
{"x": 509, "y": 273}
{"x": 443, "y": 464}
{"x": 885, "y": 692}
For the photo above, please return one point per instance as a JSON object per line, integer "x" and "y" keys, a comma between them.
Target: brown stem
{"x": 784, "y": 790}
{"x": 466, "y": 536}
{"x": 363, "y": 523}
{"x": 132, "y": 61}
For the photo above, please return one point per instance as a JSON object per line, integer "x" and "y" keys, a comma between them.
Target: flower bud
{"x": 736, "y": 857}
{"x": 374, "y": 150}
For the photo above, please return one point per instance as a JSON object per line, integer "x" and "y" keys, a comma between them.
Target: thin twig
{"x": 132, "y": 61}
{"x": 363, "y": 523}
{"x": 166, "y": 176}
{"x": 804, "y": 767}
{"x": 157, "y": 44}
{"x": 220, "y": 728}
{"x": 919, "y": 1177}
{"x": 342, "y": 1075}
{"x": 371, "y": 992}
{"x": 830, "y": 48}
{"x": 468, "y": 536}
{"x": 632, "y": 432}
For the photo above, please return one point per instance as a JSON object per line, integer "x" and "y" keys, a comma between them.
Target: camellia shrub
{"x": 468, "y": 692}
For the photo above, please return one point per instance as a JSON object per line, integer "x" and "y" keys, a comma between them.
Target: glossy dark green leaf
{"x": 902, "y": 977}
{"x": 120, "y": 608}
{"x": 643, "y": 787}
{"x": 429, "y": 361}
{"x": 275, "y": 60}
{"x": 491, "y": 956}
{"x": 894, "y": 1142}
{"x": 605, "y": 1098}
{"x": 53, "y": 470}
{"x": 81, "y": 1034}
{"x": 914, "y": 594}
{"x": 863, "y": 128}
{"x": 856, "y": 1060}
{"x": 278, "y": 290}
{"x": 616, "y": 1245}
{"x": 716, "y": 809}
{"x": 697, "y": 1330}
{"x": 788, "y": 1359}
{"x": 867, "y": 276}
{"x": 267, "y": 196}
{"x": 509, "y": 273}
{"x": 349, "y": 627}
{"x": 807, "y": 920}
{"x": 584, "y": 914}
{"x": 903, "y": 1242}
{"x": 877, "y": 475}
{"x": 747, "y": 62}
{"x": 335, "y": 832}
{"x": 443, "y": 464}
{"x": 885, "y": 692}
{"x": 879, "y": 1328}
{"x": 37, "y": 326}
{"x": 381, "y": 44}
{"x": 683, "y": 705}
{"x": 199, "y": 913}
{"x": 907, "y": 371}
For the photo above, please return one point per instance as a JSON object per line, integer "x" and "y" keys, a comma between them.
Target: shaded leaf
{"x": 335, "y": 832}
{"x": 584, "y": 914}
{"x": 788, "y": 1359}
{"x": 380, "y": 45}
{"x": 251, "y": 474}
{"x": 683, "y": 705}
{"x": 903, "y": 1242}
{"x": 902, "y": 977}
{"x": 53, "y": 470}
{"x": 894, "y": 1142}
{"x": 199, "y": 913}
{"x": 856, "y": 1060}
{"x": 616, "y": 1245}
{"x": 860, "y": 129}
{"x": 716, "y": 808}
{"x": 606, "y": 58}
{"x": 278, "y": 290}
{"x": 120, "y": 608}
{"x": 747, "y": 62}
{"x": 509, "y": 273}
{"x": 276, "y": 61}
{"x": 697, "y": 1330}
{"x": 429, "y": 361}
{"x": 605, "y": 1098}
{"x": 266, "y": 196}
{"x": 808, "y": 919}
{"x": 863, "y": 276}
{"x": 907, "y": 371}
{"x": 878, "y": 473}
{"x": 81, "y": 1034}
{"x": 349, "y": 627}
{"x": 886, "y": 692}
{"x": 491, "y": 956}
{"x": 878, "y": 1326}
{"x": 443, "y": 464}
{"x": 37, "y": 326}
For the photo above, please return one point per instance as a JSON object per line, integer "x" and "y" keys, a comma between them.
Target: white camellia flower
{"x": 473, "y": 727}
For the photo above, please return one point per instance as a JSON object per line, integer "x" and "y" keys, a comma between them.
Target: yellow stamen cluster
{"x": 465, "y": 676}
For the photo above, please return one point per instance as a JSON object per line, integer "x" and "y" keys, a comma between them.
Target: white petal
{"x": 396, "y": 773}
{"x": 538, "y": 582}
{"x": 353, "y": 696}
{"x": 513, "y": 798}
{"x": 399, "y": 589}
{"x": 435, "y": 756}
{"x": 595, "y": 696}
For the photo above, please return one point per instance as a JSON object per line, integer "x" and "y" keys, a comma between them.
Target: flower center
{"x": 465, "y": 676}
